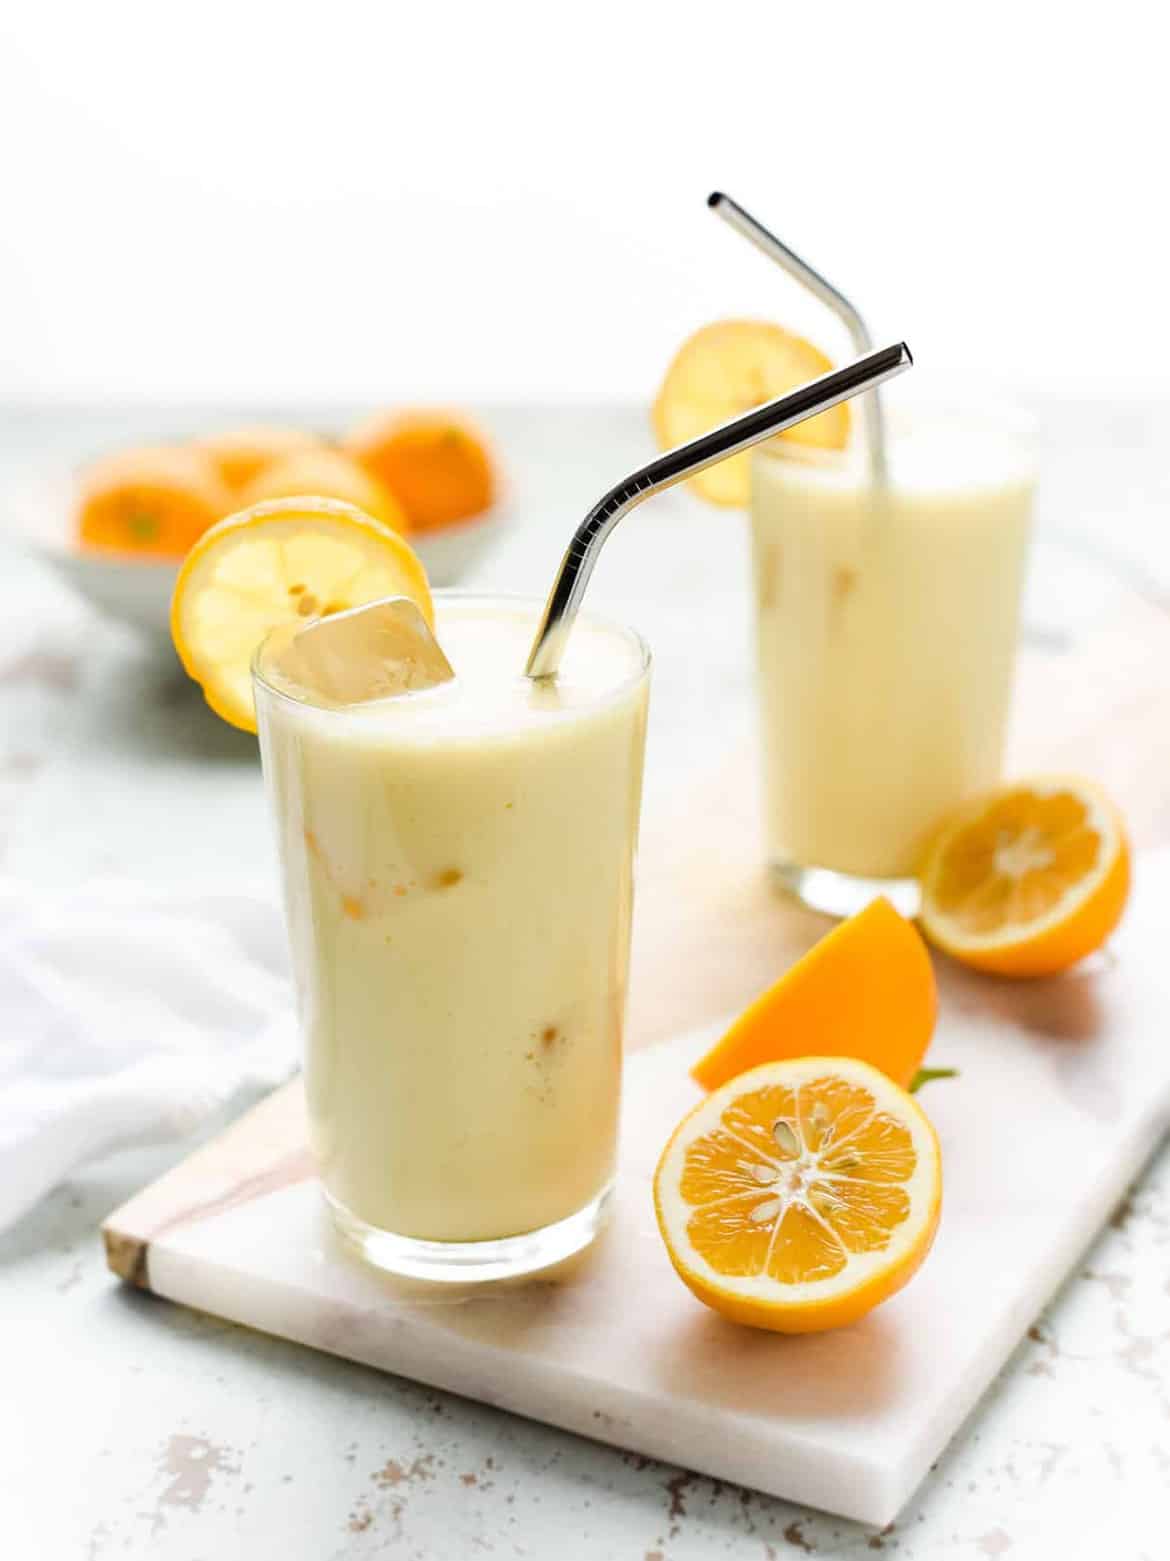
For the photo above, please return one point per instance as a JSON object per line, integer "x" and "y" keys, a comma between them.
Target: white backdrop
{"x": 232, "y": 201}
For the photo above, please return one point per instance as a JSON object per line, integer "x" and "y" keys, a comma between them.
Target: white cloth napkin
{"x": 127, "y": 1017}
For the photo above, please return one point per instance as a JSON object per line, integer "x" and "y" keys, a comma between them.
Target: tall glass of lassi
{"x": 887, "y": 619}
{"x": 458, "y": 877}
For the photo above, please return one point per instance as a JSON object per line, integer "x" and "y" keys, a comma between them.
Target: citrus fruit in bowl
{"x": 240, "y": 454}
{"x": 330, "y": 475}
{"x": 117, "y": 529}
{"x": 153, "y": 502}
{"x": 437, "y": 465}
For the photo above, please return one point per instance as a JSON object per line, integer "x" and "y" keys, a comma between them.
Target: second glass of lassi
{"x": 887, "y": 619}
{"x": 458, "y": 870}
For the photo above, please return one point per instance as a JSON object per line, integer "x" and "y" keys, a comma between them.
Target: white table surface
{"x": 131, "y": 1427}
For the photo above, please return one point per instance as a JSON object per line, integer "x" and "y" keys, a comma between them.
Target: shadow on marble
{"x": 145, "y": 706}
{"x": 853, "y": 1372}
{"x": 690, "y": 1352}
{"x": 1070, "y": 1009}
{"x": 1063, "y": 1018}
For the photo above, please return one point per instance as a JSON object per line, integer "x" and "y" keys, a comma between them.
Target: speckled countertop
{"x": 131, "y": 1427}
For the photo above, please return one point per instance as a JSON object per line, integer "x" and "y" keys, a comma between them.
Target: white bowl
{"x": 40, "y": 515}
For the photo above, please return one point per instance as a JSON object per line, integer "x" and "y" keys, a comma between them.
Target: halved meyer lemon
{"x": 277, "y": 562}
{"x": 800, "y": 1195}
{"x": 1028, "y": 880}
{"x": 728, "y": 368}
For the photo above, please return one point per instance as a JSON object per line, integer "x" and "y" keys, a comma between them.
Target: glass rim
{"x": 262, "y": 682}
{"x": 1003, "y": 417}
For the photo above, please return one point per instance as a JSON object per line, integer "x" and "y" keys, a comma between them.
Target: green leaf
{"x": 928, "y": 1075}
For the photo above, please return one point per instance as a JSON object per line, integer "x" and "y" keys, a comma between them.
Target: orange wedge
{"x": 866, "y": 990}
{"x": 280, "y": 562}
{"x": 1028, "y": 880}
{"x": 728, "y": 368}
{"x": 800, "y": 1195}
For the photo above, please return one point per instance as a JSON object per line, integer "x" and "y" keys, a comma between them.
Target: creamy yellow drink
{"x": 887, "y": 626}
{"x": 458, "y": 876}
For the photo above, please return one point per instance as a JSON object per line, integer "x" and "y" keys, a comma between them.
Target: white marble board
{"x": 1064, "y": 1092}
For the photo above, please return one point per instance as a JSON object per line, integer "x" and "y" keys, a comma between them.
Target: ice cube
{"x": 371, "y": 652}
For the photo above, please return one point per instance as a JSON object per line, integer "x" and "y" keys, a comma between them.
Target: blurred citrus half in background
{"x": 725, "y": 369}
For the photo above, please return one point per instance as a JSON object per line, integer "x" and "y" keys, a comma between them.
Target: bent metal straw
{"x": 859, "y": 333}
{"x": 730, "y": 438}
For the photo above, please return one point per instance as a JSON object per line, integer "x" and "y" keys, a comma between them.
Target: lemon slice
{"x": 727, "y": 368}
{"x": 800, "y": 1195}
{"x": 1028, "y": 880}
{"x": 278, "y": 562}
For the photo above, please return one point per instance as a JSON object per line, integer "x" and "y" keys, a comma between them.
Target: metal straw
{"x": 756, "y": 233}
{"x": 740, "y": 433}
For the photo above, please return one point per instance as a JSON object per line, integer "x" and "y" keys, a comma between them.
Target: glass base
{"x": 844, "y": 894}
{"x": 472, "y": 1262}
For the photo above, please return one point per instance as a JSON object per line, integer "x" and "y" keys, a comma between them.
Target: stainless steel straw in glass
{"x": 859, "y": 334}
{"x": 740, "y": 433}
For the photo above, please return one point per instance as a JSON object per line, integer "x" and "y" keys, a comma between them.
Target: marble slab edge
{"x": 264, "y": 1150}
